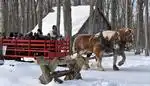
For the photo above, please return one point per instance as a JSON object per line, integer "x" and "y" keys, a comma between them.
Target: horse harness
{"x": 108, "y": 46}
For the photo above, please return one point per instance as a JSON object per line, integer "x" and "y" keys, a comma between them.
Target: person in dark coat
{"x": 39, "y": 34}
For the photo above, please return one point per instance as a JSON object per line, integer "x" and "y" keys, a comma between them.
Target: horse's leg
{"x": 86, "y": 65}
{"x": 99, "y": 55}
{"x": 114, "y": 63}
{"x": 87, "y": 60}
{"x": 115, "y": 60}
{"x": 123, "y": 58}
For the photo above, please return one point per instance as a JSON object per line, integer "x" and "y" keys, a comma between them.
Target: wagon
{"x": 14, "y": 48}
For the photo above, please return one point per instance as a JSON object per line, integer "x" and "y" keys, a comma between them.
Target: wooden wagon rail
{"x": 19, "y": 48}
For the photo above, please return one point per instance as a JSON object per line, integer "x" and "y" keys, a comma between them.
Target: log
{"x": 45, "y": 78}
{"x": 47, "y": 68}
{"x": 76, "y": 66}
{"x": 48, "y": 73}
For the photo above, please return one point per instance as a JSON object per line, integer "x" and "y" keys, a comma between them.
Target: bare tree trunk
{"x": 22, "y": 16}
{"x": 100, "y": 5}
{"x": 50, "y": 5}
{"x": 40, "y": 14}
{"x": 25, "y": 17}
{"x": 122, "y": 17}
{"x": 1, "y": 16}
{"x": 146, "y": 28}
{"x": 126, "y": 18}
{"x": 130, "y": 14}
{"x": 77, "y": 2}
{"x": 17, "y": 24}
{"x": 90, "y": 30}
{"x": 34, "y": 13}
{"x": 5, "y": 16}
{"x": 58, "y": 15}
{"x": 2, "y": 11}
{"x": 118, "y": 24}
{"x": 30, "y": 16}
{"x": 68, "y": 21}
{"x": 113, "y": 14}
{"x": 139, "y": 26}
{"x": 10, "y": 13}
{"x": 107, "y": 9}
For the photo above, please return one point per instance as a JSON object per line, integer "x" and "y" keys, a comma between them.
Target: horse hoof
{"x": 85, "y": 67}
{"x": 120, "y": 63}
{"x": 115, "y": 68}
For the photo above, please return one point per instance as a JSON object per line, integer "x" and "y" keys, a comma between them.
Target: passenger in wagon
{"x": 54, "y": 33}
{"x": 11, "y": 34}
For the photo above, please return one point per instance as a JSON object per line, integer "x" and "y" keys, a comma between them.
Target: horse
{"x": 87, "y": 44}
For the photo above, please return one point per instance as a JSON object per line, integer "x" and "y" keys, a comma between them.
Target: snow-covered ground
{"x": 135, "y": 72}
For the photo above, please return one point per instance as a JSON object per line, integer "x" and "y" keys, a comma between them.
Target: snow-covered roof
{"x": 79, "y": 16}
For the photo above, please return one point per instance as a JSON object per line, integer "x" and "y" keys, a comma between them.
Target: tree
{"x": 67, "y": 21}
{"x": 1, "y": 28}
{"x": 129, "y": 8}
{"x": 107, "y": 9}
{"x": 1, "y": 15}
{"x": 126, "y": 18}
{"x": 58, "y": 15}
{"x": 5, "y": 16}
{"x": 100, "y": 5}
{"x": 139, "y": 26}
{"x": 40, "y": 13}
{"x": 146, "y": 28}
{"x": 22, "y": 15}
{"x": 90, "y": 30}
{"x": 114, "y": 13}
{"x": 16, "y": 16}
{"x": 76, "y": 2}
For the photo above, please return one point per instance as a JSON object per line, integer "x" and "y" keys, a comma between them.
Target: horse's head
{"x": 127, "y": 36}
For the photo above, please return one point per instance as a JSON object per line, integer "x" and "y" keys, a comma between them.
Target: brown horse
{"x": 96, "y": 44}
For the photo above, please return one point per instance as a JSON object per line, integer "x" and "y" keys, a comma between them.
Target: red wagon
{"x": 20, "y": 48}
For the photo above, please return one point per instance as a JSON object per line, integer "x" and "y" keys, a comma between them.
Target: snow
{"x": 79, "y": 16}
{"x": 135, "y": 72}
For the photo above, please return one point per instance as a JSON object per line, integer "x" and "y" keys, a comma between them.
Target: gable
{"x": 100, "y": 23}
